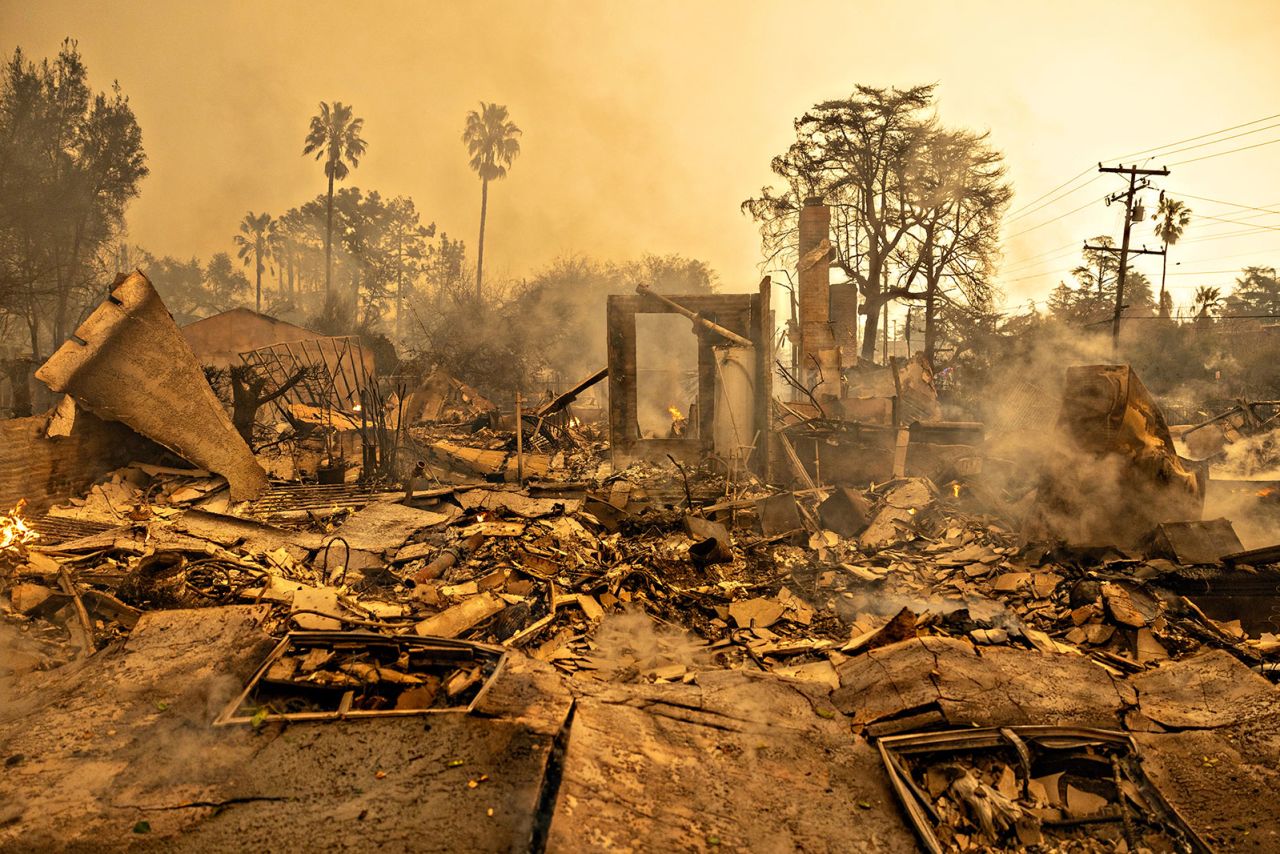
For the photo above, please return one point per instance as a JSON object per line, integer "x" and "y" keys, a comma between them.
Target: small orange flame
{"x": 1263, "y": 493}
{"x": 955, "y": 490}
{"x": 14, "y": 531}
{"x": 678, "y": 421}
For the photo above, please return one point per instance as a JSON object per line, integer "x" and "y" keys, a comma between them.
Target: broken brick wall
{"x": 45, "y": 471}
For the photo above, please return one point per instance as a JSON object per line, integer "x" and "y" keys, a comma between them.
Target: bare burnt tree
{"x": 913, "y": 204}
{"x": 248, "y": 392}
{"x": 948, "y": 258}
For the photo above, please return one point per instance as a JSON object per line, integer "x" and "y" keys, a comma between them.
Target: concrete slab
{"x": 1207, "y": 690}
{"x": 125, "y": 738}
{"x": 740, "y": 763}
{"x": 385, "y": 526}
{"x": 1222, "y": 781}
{"x": 997, "y": 686}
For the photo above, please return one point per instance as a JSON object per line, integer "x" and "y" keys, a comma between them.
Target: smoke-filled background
{"x": 641, "y": 132}
{"x": 645, "y": 125}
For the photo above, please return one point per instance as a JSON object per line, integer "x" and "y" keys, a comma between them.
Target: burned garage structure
{"x": 356, "y": 540}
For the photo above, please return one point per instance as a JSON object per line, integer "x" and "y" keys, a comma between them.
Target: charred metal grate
{"x": 56, "y": 529}
{"x": 295, "y": 498}
{"x": 325, "y": 676}
{"x": 1031, "y": 786}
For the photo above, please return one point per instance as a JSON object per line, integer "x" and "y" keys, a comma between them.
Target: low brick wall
{"x": 46, "y": 471}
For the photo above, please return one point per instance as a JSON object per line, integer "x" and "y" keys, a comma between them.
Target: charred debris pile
{"x": 407, "y": 539}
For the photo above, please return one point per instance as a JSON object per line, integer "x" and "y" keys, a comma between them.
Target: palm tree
{"x": 278, "y": 246}
{"x": 334, "y": 137}
{"x": 1171, "y": 220}
{"x": 491, "y": 140}
{"x": 1207, "y": 299}
{"x": 253, "y": 242}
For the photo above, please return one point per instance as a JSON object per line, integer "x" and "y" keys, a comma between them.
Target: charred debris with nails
{"x": 811, "y": 614}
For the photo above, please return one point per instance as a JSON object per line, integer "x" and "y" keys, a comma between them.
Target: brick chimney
{"x": 815, "y": 289}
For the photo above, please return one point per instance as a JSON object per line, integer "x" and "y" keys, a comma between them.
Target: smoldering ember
{"x": 844, "y": 477}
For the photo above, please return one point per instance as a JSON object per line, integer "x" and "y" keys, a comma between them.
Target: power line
{"x": 1242, "y": 219}
{"x": 1230, "y": 204}
{"x": 1052, "y": 201}
{"x": 1087, "y": 204}
{"x": 1222, "y": 153}
{"x": 1213, "y": 141}
{"x": 1225, "y": 235}
{"x": 1157, "y": 317}
{"x": 1016, "y": 211}
{"x": 1275, "y": 249}
{"x": 1026, "y": 275}
{"x": 1025, "y": 209}
{"x": 1194, "y": 138}
{"x": 1028, "y": 268}
{"x": 1034, "y": 276}
{"x": 1034, "y": 260}
{"x": 1259, "y": 226}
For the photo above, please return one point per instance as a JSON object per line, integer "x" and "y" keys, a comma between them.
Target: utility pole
{"x": 1134, "y": 186}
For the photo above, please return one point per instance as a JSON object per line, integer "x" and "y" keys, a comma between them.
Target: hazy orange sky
{"x": 646, "y": 124}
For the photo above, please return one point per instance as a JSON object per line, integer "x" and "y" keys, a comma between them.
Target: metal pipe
{"x": 698, "y": 320}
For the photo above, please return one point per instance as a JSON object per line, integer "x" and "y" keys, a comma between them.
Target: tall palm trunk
{"x": 328, "y": 240}
{"x": 484, "y": 209}
{"x": 1164, "y": 265}
{"x": 258, "y": 284}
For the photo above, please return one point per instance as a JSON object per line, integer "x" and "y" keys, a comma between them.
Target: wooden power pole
{"x": 1128, "y": 195}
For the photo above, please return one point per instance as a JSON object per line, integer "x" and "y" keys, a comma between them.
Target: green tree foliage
{"x": 551, "y": 325}
{"x": 378, "y": 257}
{"x": 191, "y": 291}
{"x": 382, "y": 246}
{"x": 334, "y": 138}
{"x": 445, "y": 272}
{"x": 1207, "y": 300}
{"x": 179, "y": 283}
{"x": 1257, "y": 292}
{"x": 227, "y": 287}
{"x": 914, "y": 204}
{"x": 1092, "y": 303}
{"x": 71, "y": 160}
{"x": 490, "y": 137}
{"x": 1099, "y": 267}
{"x": 407, "y": 245}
